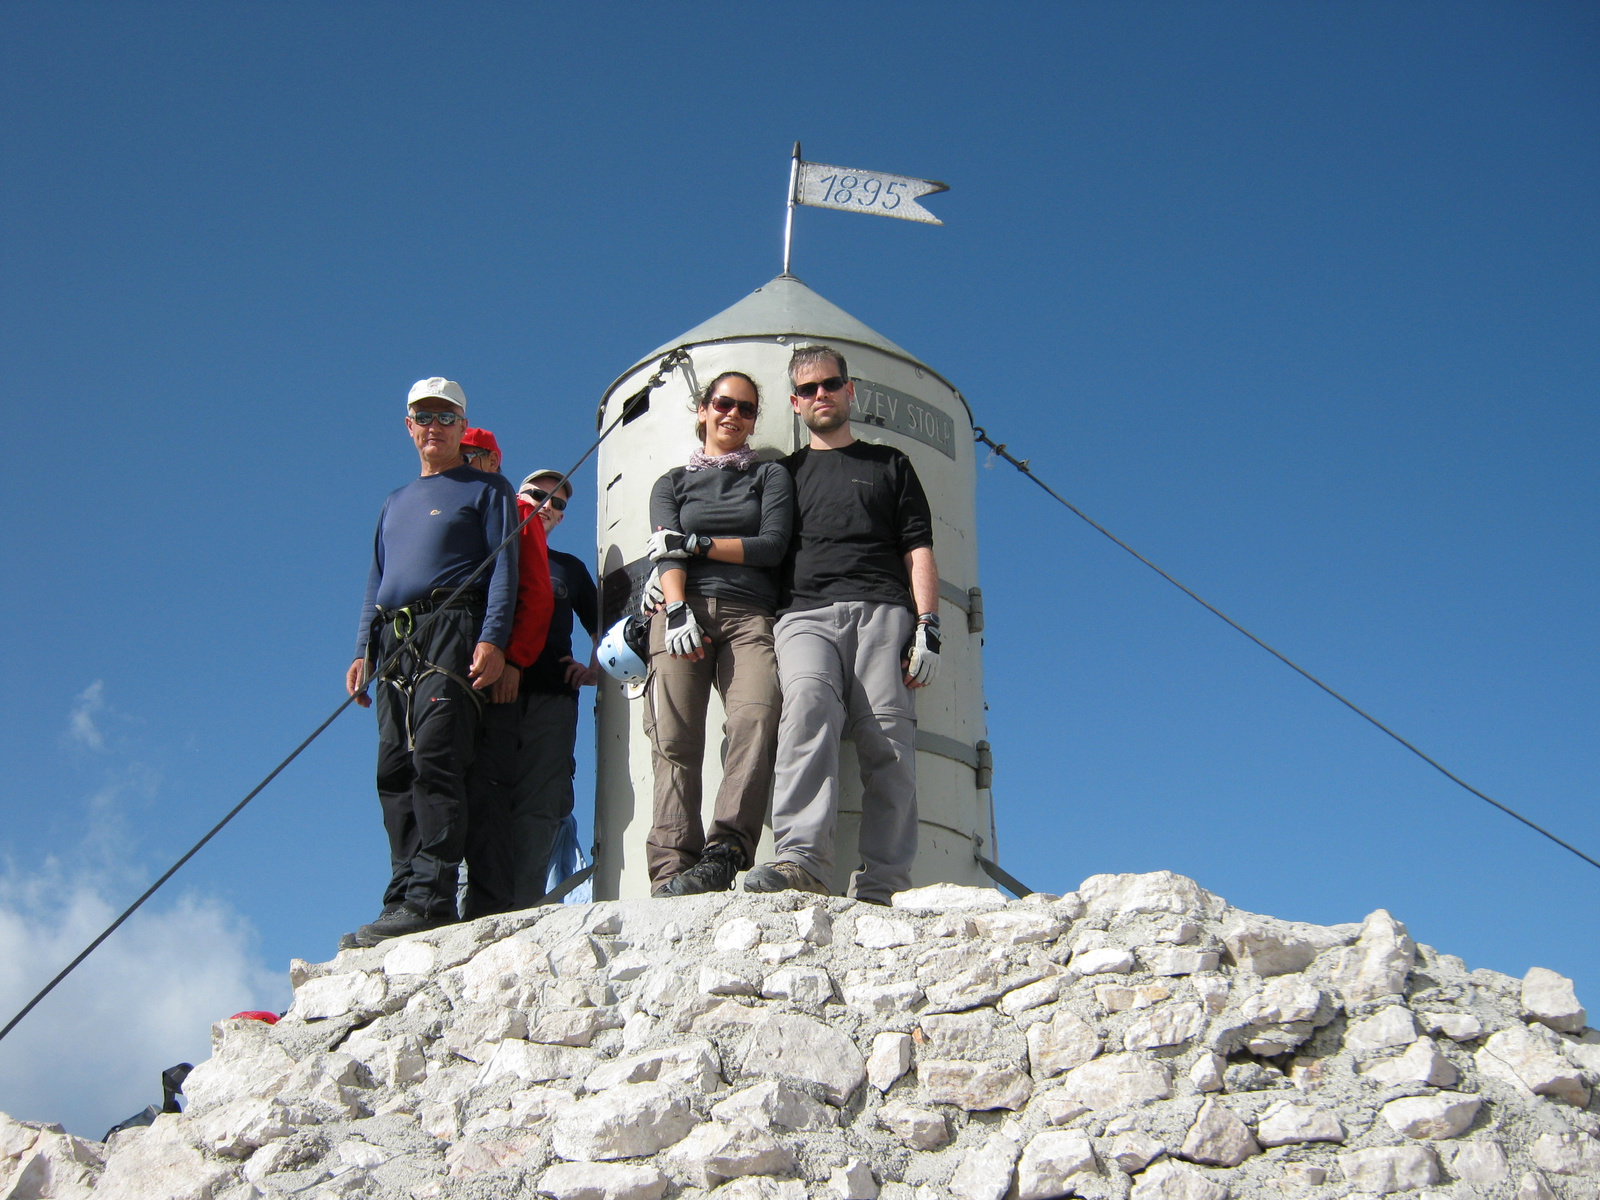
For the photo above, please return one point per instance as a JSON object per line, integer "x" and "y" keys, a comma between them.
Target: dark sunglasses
{"x": 445, "y": 419}
{"x": 726, "y": 404}
{"x": 540, "y": 496}
{"x": 832, "y": 384}
{"x": 474, "y": 452}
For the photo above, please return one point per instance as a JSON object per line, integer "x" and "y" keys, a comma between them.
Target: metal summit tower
{"x": 900, "y": 401}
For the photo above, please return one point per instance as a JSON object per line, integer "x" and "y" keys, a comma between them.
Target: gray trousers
{"x": 840, "y": 669}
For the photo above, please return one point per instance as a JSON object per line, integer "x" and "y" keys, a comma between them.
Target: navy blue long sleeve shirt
{"x": 433, "y": 533}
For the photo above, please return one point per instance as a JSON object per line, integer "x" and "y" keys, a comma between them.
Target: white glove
{"x": 653, "y": 597}
{"x": 683, "y": 631}
{"x": 669, "y": 543}
{"x": 922, "y": 652}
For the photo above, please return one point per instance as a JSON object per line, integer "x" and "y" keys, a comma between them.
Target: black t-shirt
{"x": 575, "y": 593}
{"x": 858, "y": 512}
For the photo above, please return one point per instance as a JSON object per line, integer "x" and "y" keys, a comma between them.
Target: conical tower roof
{"x": 782, "y": 307}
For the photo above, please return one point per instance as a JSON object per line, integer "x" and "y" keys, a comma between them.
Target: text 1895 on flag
{"x": 876, "y": 192}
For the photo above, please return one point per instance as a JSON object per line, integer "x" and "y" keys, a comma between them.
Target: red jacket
{"x": 535, "y": 599}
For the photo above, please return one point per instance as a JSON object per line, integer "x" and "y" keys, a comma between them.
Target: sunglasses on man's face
{"x": 832, "y": 384}
{"x": 726, "y": 404}
{"x": 445, "y": 419}
{"x": 539, "y": 496}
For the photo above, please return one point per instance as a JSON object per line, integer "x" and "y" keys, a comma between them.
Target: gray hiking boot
{"x": 398, "y": 922}
{"x": 783, "y": 876}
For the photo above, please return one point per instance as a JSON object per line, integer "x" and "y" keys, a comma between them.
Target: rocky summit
{"x": 1137, "y": 1038}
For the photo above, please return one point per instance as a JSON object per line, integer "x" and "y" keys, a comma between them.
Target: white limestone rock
{"x": 1458, "y": 1027}
{"x": 814, "y": 925}
{"x": 763, "y": 1187}
{"x": 947, "y": 898}
{"x": 719, "y": 981}
{"x": 1567, "y": 1154}
{"x": 629, "y": 1120}
{"x": 1134, "y": 1150}
{"x": 165, "y": 1160}
{"x": 1525, "y": 1060}
{"x": 974, "y": 987}
{"x": 1421, "y": 1063}
{"x": 1549, "y": 999}
{"x": 1033, "y": 995}
{"x": 570, "y": 1026}
{"x": 881, "y": 933}
{"x": 773, "y": 1102}
{"x": 1378, "y": 964}
{"x": 1443, "y": 1115}
{"x": 1266, "y": 946}
{"x": 1119, "y": 997}
{"x": 1017, "y": 927}
{"x": 515, "y": 1058}
{"x": 919, "y": 1128}
{"x": 693, "y": 1064}
{"x": 889, "y": 1060}
{"x": 1165, "y": 1025}
{"x": 799, "y": 1047}
{"x": 1218, "y": 1138}
{"x": 1533, "y": 1187}
{"x": 741, "y": 933}
{"x": 1169, "y": 1180}
{"x": 576, "y": 958}
{"x": 410, "y": 957}
{"x": 1051, "y": 1161}
{"x": 1482, "y": 1164}
{"x": 986, "y": 1171}
{"x": 1118, "y": 1081}
{"x": 1178, "y": 960}
{"x": 884, "y": 999}
{"x": 1385, "y": 1169}
{"x": 1391, "y": 1026}
{"x": 852, "y": 1181}
{"x": 1289, "y": 1123}
{"x": 245, "y": 1063}
{"x": 1153, "y": 892}
{"x": 336, "y": 995}
{"x": 717, "y": 1151}
{"x": 1108, "y": 960}
{"x": 1061, "y": 1043}
{"x": 773, "y": 953}
{"x": 602, "y": 1181}
{"x": 969, "y": 1035}
{"x": 1207, "y": 1072}
{"x": 802, "y": 985}
{"x": 976, "y": 1087}
{"x": 237, "y": 1128}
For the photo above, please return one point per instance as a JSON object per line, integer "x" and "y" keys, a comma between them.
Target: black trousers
{"x": 518, "y": 792}
{"x": 428, "y": 719}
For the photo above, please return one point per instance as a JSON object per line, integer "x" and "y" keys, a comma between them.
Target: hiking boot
{"x": 398, "y": 922}
{"x": 713, "y": 873}
{"x": 352, "y": 941}
{"x": 783, "y": 876}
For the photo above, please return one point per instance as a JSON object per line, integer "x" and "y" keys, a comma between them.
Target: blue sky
{"x": 1299, "y": 299}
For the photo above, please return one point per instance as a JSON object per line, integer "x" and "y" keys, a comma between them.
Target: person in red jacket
{"x": 491, "y": 856}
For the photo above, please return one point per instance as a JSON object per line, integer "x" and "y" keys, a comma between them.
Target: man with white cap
{"x": 433, "y": 533}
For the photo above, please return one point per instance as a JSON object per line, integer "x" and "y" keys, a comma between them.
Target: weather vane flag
{"x": 877, "y": 192}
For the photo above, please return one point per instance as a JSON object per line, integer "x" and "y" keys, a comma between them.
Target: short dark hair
{"x": 806, "y": 355}
{"x": 704, "y": 398}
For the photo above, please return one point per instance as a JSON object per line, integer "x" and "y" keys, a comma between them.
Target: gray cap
{"x": 556, "y": 474}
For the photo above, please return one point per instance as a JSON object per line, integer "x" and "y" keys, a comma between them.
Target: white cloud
{"x": 93, "y": 1050}
{"x": 82, "y": 727}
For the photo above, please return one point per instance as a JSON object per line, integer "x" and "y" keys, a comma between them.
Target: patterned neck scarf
{"x": 741, "y": 459}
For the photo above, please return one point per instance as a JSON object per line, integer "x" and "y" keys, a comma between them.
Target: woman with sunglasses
{"x": 722, "y": 526}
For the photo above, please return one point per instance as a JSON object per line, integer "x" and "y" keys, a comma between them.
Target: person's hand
{"x": 921, "y": 655}
{"x": 684, "y": 639}
{"x": 653, "y": 597}
{"x": 669, "y": 543}
{"x": 506, "y": 687}
{"x": 578, "y": 674}
{"x": 488, "y": 661}
{"x": 355, "y": 683}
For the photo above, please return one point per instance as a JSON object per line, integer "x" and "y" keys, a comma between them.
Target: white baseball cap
{"x": 437, "y": 388}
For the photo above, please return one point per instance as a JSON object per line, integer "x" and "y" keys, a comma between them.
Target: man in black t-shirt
{"x": 858, "y": 630}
